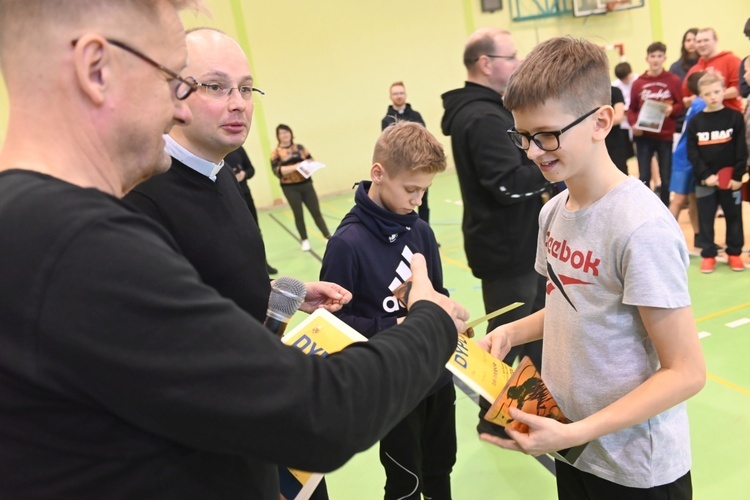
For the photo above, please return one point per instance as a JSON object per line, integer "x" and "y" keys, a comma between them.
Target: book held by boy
{"x": 652, "y": 115}
{"x": 527, "y": 391}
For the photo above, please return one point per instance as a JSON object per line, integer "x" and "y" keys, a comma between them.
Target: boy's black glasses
{"x": 546, "y": 141}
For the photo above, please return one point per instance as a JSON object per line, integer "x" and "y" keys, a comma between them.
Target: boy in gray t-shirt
{"x": 621, "y": 352}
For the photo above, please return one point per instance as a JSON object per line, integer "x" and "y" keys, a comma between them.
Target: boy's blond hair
{"x": 710, "y": 78}
{"x": 572, "y": 71}
{"x": 408, "y": 146}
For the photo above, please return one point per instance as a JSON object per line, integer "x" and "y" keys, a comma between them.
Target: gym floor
{"x": 719, "y": 415}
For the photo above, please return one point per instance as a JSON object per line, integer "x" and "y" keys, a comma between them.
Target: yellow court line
{"x": 711, "y": 376}
{"x": 727, "y": 383}
{"x": 334, "y": 208}
{"x": 721, "y": 313}
{"x": 454, "y": 262}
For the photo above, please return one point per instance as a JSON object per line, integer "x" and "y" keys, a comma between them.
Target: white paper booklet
{"x": 309, "y": 167}
{"x": 651, "y": 116}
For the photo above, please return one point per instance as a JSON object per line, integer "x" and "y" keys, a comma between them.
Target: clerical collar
{"x": 205, "y": 167}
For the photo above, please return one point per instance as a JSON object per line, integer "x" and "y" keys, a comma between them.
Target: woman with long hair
{"x": 688, "y": 57}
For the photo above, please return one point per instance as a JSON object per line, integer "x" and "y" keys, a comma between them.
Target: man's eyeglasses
{"x": 546, "y": 141}
{"x": 185, "y": 86}
{"x": 219, "y": 91}
{"x": 494, "y": 56}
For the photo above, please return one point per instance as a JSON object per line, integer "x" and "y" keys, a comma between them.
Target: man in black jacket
{"x": 401, "y": 110}
{"x": 122, "y": 374}
{"x": 244, "y": 170}
{"x": 501, "y": 188}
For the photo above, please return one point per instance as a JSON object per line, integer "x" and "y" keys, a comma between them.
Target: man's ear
{"x": 376, "y": 173}
{"x": 92, "y": 65}
{"x": 604, "y": 120}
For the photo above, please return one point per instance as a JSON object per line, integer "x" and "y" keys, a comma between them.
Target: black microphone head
{"x": 287, "y": 294}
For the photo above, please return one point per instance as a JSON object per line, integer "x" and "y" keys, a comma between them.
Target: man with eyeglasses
{"x": 122, "y": 374}
{"x": 501, "y": 188}
{"x": 400, "y": 110}
{"x": 198, "y": 200}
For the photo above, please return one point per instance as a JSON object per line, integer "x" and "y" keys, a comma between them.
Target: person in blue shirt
{"x": 682, "y": 182}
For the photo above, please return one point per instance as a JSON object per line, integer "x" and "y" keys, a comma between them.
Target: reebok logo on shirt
{"x": 560, "y": 251}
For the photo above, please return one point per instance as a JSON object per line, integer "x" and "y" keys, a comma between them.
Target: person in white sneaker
{"x": 297, "y": 188}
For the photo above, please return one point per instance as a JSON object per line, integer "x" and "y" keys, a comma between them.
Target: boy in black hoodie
{"x": 370, "y": 254}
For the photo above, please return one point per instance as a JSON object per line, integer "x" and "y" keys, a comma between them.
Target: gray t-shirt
{"x": 602, "y": 262}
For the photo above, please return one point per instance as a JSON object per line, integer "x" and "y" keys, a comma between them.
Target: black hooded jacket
{"x": 408, "y": 115}
{"x": 500, "y": 186}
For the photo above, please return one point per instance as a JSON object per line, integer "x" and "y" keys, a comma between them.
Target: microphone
{"x": 287, "y": 294}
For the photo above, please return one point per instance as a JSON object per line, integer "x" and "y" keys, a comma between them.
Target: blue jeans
{"x": 645, "y": 147}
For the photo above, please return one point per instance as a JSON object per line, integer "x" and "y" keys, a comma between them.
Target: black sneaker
{"x": 271, "y": 270}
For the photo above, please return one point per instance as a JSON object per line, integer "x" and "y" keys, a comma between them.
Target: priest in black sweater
{"x": 199, "y": 201}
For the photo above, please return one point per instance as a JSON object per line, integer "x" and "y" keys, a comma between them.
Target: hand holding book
{"x": 419, "y": 287}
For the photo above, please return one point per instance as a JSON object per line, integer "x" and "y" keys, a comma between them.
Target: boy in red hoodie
{"x": 724, "y": 62}
{"x": 656, "y": 84}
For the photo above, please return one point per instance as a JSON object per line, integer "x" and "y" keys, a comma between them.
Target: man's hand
{"x": 734, "y": 185}
{"x": 637, "y": 132}
{"x": 329, "y": 296}
{"x": 240, "y": 176}
{"x": 711, "y": 181}
{"x": 421, "y": 289}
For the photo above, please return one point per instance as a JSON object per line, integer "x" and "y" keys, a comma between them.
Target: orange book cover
{"x": 527, "y": 391}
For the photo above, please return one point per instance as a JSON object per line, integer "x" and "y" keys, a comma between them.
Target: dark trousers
{"x": 573, "y": 484}
{"x": 296, "y": 195}
{"x": 419, "y": 453}
{"x": 645, "y": 147}
{"x": 708, "y": 199}
{"x": 528, "y": 288}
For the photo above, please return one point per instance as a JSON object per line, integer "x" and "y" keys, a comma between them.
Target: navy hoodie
{"x": 369, "y": 255}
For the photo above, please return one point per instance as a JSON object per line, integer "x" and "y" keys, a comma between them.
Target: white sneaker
{"x": 305, "y": 245}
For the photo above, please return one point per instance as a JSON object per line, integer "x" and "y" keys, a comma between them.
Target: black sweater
{"x": 716, "y": 140}
{"x": 214, "y": 229}
{"x": 124, "y": 376}
{"x": 500, "y": 186}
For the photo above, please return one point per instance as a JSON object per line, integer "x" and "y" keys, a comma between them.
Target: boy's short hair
{"x": 710, "y": 78}
{"x": 656, "y": 47}
{"x": 622, "y": 70}
{"x": 570, "y": 70}
{"x": 692, "y": 81}
{"x": 397, "y": 84}
{"x": 709, "y": 30}
{"x": 408, "y": 146}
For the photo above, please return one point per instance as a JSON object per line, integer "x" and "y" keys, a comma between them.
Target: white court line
{"x": 739, "y": 322}
{"x": 703, "y": 335}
